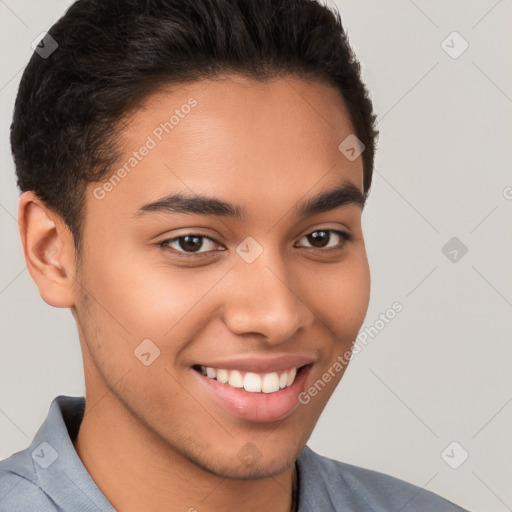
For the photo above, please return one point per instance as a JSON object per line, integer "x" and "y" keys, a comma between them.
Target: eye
{"x": 190, "y": 244}
{"x": 324, "y": 239}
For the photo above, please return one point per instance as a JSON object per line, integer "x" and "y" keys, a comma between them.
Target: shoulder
{"x": 49, "y": 476}
{"x": 349, "y": 487}
{"x": 18, "y": 490}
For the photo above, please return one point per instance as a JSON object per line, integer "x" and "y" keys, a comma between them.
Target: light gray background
{"x": 441, "y": 370}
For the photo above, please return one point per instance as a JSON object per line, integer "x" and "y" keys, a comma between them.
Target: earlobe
{"x": 49, "y": 250}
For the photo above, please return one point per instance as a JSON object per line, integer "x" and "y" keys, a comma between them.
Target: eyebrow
{"x": 346, "y": 194}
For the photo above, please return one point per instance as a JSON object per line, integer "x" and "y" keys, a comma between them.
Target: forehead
{"x": 234, "y": 137}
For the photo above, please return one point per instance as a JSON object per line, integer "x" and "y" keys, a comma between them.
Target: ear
{"x": 49, "y": 250}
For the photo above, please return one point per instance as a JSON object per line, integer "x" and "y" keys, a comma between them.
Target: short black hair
{"x": 113, "y": 54}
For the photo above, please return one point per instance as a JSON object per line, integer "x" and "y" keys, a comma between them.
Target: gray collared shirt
{"x": 49, "y": 476}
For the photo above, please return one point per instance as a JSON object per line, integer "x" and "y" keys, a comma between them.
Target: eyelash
{"x": 345, "y": 237}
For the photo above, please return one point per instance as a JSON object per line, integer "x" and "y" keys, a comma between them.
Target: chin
{"x": 247, "y": 464}
{"x": 254, "y": 470}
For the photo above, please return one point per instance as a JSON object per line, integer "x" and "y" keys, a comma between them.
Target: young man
{"x": 193, "y": 178}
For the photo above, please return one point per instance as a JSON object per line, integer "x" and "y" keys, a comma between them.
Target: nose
{"x": 263, "y": 301}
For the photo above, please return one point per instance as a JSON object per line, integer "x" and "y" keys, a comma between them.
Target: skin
{"x": 264, "y": 146}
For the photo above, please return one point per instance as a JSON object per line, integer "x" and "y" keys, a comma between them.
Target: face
{"x": 216, "y": 289}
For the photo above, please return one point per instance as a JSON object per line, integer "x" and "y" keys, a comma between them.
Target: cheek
{"x": 342, "y": 298}
{"x": 135, "y": 301}
{"x": 146, "y": 300}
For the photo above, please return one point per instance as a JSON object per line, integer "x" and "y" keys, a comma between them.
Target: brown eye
{"x": 190, "y": 244}
{"x": 327, "y": 239}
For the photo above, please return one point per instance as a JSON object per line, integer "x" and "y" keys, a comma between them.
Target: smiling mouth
{"x": 252, "y": 382}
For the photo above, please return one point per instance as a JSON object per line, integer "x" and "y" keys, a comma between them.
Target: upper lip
{"x": 261, "y": 364}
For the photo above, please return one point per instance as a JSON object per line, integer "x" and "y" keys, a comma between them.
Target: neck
{"x": 137, "y": 470}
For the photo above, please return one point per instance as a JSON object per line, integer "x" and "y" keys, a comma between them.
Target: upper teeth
{"x": 252, "y": 382}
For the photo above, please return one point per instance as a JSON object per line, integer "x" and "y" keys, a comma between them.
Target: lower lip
{"x": 257, "y": 407}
